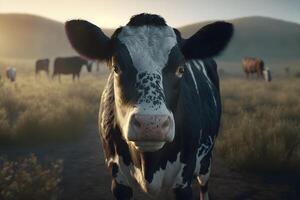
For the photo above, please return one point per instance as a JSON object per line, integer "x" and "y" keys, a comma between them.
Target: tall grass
{"x": 41, "y": 110}
{"x": 261, "y": 125}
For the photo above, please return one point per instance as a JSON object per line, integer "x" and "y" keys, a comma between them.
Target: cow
{"x": 11, "y": 74}
{"x": 253, "y": 65}
{"x": 160, "y": 109}
{"x": 42, "y": 65}
{"x": 70, "y": 65}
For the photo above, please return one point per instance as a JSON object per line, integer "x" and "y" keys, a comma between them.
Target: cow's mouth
{"x": 148, "y": 146}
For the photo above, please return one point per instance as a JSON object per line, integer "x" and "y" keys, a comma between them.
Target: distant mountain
{"x": 24, "y": 36}
{"x": 264, "y": 37}
{"x": 30, "y": 37}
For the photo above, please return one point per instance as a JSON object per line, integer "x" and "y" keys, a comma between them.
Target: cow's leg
{"x": 119, "y": 186}
{"x": 203, "y": 181}
{"x": 121, "y": 191}
{"x": 185, "y": 193}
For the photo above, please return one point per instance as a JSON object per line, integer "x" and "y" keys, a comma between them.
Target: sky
{"x": 114, "y": 13}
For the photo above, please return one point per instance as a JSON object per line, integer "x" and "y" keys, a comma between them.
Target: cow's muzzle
{"x": 151, "y": 132}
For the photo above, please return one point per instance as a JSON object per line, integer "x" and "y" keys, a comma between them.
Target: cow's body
{"x": 42, "y": 65}
{"x": 160, "y": 110}
{"x": 189, "y": 155}
{"x": 253, "y": 66}
{"x": 69, "y": 65}
{"x": 11, "y": 74}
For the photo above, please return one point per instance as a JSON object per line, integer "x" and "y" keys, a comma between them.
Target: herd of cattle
{"x": 62, "y": 65}
{"x": 73, "y": 65}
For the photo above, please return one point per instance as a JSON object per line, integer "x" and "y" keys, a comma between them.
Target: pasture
{"x": 259, "y": 137}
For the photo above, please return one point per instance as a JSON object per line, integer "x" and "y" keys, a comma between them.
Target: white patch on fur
{"x": 149, "y": 46}
{"x": 204, "y": 149}
{"x": 200, "y": 66}
{"x": 164, "y": 180}
{"x": 192, "y": 73}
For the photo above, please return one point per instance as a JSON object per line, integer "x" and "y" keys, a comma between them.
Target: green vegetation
{"x": 41, "y": 110}
{"x": 28, "y": 179}
{"x": 261, "y": 125}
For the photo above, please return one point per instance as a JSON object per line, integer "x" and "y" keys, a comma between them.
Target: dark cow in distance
{"x": 42, "y": 65}
{"x": 70, "y": 65}
{"x": 160, "y": 109}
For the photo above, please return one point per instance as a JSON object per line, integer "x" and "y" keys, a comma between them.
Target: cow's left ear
{"x": 209, "y": 41}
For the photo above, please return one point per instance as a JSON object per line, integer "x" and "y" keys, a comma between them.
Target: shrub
{"x": 28, "y": 179}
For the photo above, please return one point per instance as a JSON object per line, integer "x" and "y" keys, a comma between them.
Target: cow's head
{"x": 147, "y": 58}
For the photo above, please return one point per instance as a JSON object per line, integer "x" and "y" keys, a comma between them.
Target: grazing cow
{"x": 11, "y": 74}
{"x": 42, "y": 65}
{"x": 160, "y": 109}
{"x": 70, "y": 65}
{"x": 253, "y": 65}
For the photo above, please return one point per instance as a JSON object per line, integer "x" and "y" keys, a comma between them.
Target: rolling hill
{"x": 26, "y": 36}
{"x": 263, "y": 37}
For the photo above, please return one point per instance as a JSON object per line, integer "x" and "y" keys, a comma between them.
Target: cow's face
{"x": 147, "y": 58}
{"x": 147, "y": 65}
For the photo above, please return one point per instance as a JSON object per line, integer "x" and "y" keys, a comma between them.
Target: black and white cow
{"x": 160, "y": 110}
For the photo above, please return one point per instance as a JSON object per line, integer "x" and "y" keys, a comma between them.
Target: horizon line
{"x": 187, "y": 24}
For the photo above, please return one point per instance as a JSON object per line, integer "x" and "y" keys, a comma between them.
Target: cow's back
{"x": 252, "y": 65}
{"x": 71, "y": 65}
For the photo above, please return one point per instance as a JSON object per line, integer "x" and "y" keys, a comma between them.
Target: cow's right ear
{"x": 87, "y": 39}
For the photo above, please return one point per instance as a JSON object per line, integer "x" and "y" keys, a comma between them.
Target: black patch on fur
{"x": 121, "y": 192}
{"x": 146, "y": 19}
{"x": 209, "y": 41}
{"x": 183, "y": 193}
{"x": 204, "y": 188}
{"x": 126, "y": 80}
{"x": 114, "y": 170}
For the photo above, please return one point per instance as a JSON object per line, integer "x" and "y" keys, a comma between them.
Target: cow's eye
{"x": 180, "y": 71}
{"x": 117, "y": 69}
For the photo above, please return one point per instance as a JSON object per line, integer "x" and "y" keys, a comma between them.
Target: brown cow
{"x": 253, "y": 65}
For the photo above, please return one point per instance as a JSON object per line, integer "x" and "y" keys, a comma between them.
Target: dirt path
{"x": 86, "y": 177}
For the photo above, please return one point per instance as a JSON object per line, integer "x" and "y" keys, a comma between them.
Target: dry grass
{"x": 42, "y": 110}
{"x": 261, "y": 125}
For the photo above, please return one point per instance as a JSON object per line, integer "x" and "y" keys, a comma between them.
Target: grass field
{"x": 41, "y": 110}
{"x": 261, "y": 125}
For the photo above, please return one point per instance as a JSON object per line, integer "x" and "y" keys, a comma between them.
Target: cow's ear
{"x": 209, "y": 41}
{"x": 87, "y": 39}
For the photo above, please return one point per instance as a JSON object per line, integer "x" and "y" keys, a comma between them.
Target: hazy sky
{"x": 113, "y": 13}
